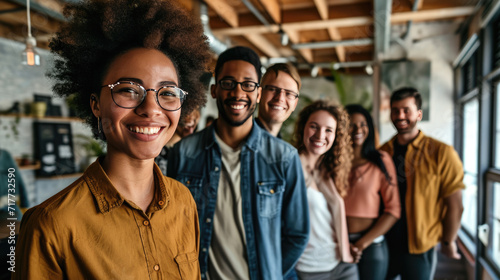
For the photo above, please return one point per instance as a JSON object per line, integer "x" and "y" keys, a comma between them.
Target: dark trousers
{"x": 374, "y": 262}
{"x": 343, "y": 271}
{"x": 412, "y": 266}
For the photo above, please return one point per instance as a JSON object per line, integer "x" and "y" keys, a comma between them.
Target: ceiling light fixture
{"x": 369, "y": 69}
{"x": 30, "y": 56}
{"x": 283, "y": 37}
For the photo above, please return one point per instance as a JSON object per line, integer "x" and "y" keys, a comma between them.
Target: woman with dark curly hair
{"x": 132, "y": 65}
{"x": 322, "y": 139}
{"x": 372, "y": 180}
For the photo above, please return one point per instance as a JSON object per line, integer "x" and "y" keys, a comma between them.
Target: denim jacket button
{"x": 271, "y": 191}
{"x": 216, "y": 169}
{"x": 204, "y": 249}
{"x": 209, "y": 220}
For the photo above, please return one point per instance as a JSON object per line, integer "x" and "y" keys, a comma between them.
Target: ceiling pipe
{"x": 255, "y": 12}
{"x": 410, "y": 23}
{"x": 333, "y": 44}
{"x": 201, "y": 9}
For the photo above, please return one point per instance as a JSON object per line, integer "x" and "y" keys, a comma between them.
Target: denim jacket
{"x": 274, "y": 197}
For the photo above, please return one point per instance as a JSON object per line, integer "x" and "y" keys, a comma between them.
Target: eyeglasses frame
{"x": 182, "y": 99}
{"x": 296, "y": 94}
{"x": 257, "y": 85}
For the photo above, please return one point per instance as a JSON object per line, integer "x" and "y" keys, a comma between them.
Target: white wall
{"x": 439, "y": 45}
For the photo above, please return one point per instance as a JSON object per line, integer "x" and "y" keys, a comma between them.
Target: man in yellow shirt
{"x": 430, "y": 176}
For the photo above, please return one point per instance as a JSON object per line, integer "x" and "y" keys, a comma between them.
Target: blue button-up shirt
{"x": 274, "y": 199}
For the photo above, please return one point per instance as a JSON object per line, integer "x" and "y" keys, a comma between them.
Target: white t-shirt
{"x": 227, "y": 255}
{"x": 321, "y": 253}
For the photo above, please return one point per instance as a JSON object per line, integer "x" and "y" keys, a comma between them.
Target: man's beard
{"x": 226, "y": 116}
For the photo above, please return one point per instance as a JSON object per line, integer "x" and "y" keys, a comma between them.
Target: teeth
{"x": 144, "y": 130}
{"x": 318, "y": 144}
{"x": 277, "y": 108}
{"x": 237, "y": 107}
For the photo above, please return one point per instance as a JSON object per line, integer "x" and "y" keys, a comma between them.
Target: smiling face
{"x": 139, "y": 133}
{"x": 236, "y": 106}
{"x": 405, "y": 115}
{"x": 358, "y": 129}
{"x": 319, "y": 132}
{"x": 276, "y": 108}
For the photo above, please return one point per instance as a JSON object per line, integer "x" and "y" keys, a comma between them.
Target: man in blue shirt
{"x": 247, "y": 184}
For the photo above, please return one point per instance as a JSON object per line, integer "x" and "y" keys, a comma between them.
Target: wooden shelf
{"x": 46, "y": 118}
{"x": 33, "y": 166}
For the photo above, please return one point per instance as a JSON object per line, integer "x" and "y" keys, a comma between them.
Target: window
{"x": 493, "y": 220}
{"x": 497, "y": 128}
{"x": 470, "y": 161}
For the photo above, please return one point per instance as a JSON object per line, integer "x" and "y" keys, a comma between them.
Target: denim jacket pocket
{"x": 188, "y": 265}
{"x": 193, "y": 183}
{"x": 269, "y": 198}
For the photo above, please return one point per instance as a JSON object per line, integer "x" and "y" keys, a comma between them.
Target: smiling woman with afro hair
{"x": 134, "y": 66}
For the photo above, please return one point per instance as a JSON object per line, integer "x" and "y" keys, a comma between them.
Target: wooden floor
{"x": 448, "y": 269}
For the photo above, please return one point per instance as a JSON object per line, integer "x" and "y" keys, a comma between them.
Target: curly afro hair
{"x": 98, "y": 31}
{"x": 336, "y": 161}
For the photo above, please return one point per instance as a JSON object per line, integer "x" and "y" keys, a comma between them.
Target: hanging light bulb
{"x": 30, "y": 56}
{"x": 283, "y": 37}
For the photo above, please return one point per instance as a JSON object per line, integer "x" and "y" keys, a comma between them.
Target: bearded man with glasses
{"x": 280, "y": 94}
{"x": 248, "y": 185}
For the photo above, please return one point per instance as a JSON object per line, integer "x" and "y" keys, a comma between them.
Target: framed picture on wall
{"x": 54, "y": 148}
{"x": 404, "y": 73}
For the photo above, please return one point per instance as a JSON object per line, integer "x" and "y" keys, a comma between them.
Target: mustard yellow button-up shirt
{"x": 89, "y": 231}
{"x": 433, "y": 172}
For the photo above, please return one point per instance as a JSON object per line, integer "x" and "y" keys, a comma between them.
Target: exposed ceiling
{"x": 350, "y": 33}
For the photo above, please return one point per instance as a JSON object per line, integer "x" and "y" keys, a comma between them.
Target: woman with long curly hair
{"x": 372, "y": 180}
{"x": 322, "y": 139}
{"x": 132, "y": 65}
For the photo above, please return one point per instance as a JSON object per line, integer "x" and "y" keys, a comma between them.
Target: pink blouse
{"x": 367, "y": 184}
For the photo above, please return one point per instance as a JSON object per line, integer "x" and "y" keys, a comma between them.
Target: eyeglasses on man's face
{"x": 228, "y": 84}
{"x": 290, "y": 95}
{"x": 130, "y": 95}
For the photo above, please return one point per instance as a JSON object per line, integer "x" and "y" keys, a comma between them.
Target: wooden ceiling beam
{"x": 224, "y": 10}
{"x": 420, "y": 4}
{"x": 263, "y": 44}
{"x": 426, "y": 15}
{"x": 322, "y": 7}
{"x": 295, "y": 39}
{"x": 273, "y": 8}
{"x": 335, "y": 35}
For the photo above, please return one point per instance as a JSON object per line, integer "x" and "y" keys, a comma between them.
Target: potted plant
{"x": 93, "y": 148}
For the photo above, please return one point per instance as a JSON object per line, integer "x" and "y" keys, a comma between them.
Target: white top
{"x": 321, "y": 253}
{"x": 227, "y": 253}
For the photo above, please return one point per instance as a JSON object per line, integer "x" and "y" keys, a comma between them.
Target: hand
{"x": 450, "y": 250}
{"x": 356, "y": 253}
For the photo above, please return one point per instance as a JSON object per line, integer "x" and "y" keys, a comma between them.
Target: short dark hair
{"x": 98, "y": 31}
{"x": 406, "y": 92}
{"x": 239, "y": 53}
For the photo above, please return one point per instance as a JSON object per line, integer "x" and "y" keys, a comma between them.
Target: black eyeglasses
{"x": 130, "y": 95}
{"x": 229, "y": 84}
{"x": 290, "y": 95}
